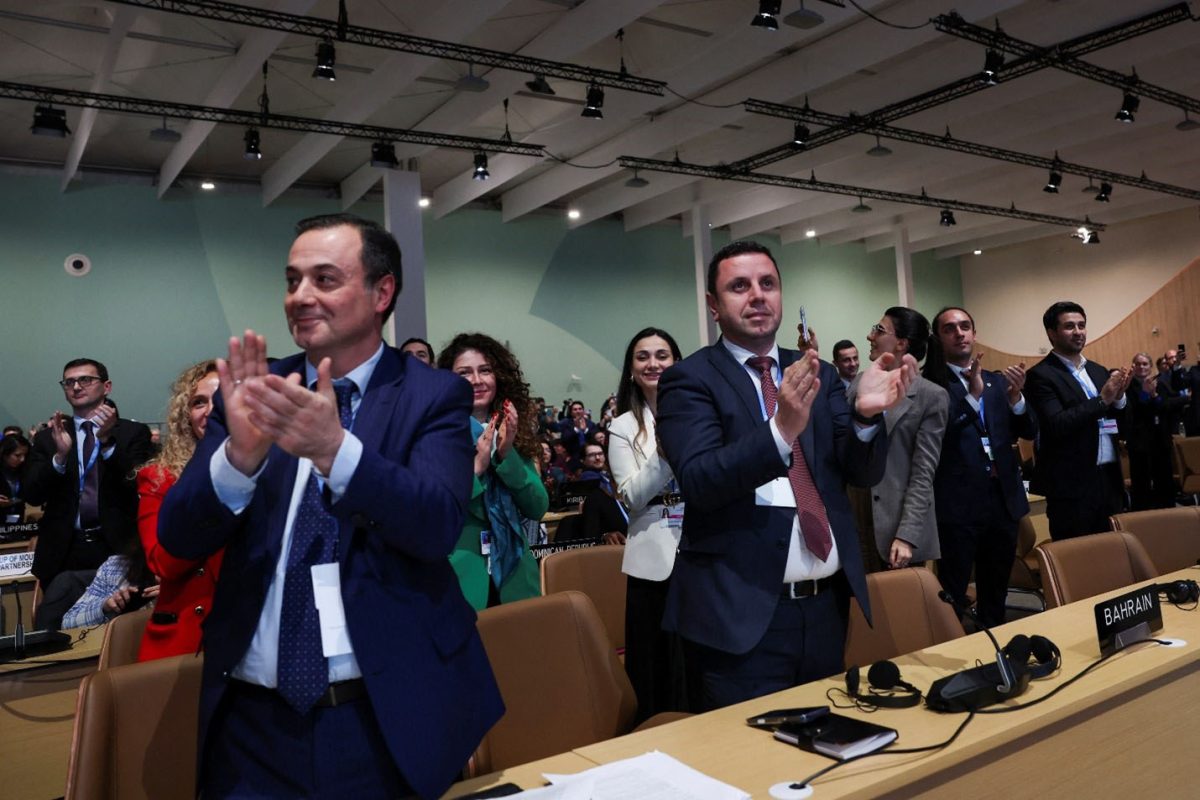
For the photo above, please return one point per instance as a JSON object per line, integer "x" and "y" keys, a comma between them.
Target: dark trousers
{"x": 1101, "y": 496}
{"x": 259, "y": 747}
{"x": 1152, "y": 476}
{"x": 803, "y": 643}
{"x": 988, "y": 547}
{"x": 653, "y": 657}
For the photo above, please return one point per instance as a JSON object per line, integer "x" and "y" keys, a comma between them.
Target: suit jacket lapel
{"x": 738, "y": 379}
{"x": 892, "y": 417}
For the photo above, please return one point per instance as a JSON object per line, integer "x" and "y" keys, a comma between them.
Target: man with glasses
{"x": 81, "y": 470}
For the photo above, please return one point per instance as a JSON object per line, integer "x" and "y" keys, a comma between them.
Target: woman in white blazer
{"x": 653, "y": 658}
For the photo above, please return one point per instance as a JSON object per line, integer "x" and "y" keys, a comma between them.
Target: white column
{"x": 904, "y": 280}
{"x": 402, "y": 216}
{"x": 702, "y": 251}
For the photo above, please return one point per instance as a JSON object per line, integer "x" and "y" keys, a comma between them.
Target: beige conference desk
{"x": 1123, "y": 730}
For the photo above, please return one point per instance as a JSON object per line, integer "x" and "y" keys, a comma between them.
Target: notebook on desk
{"x": 837, "y": 737}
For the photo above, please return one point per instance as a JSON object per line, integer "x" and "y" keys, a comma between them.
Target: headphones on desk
{"x": 1179, "y": 592}
{"x": 887, "y": 690}
{"x": 1035, "y": 655}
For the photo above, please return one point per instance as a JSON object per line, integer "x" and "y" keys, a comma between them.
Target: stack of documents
{"x": 653, "y": 776}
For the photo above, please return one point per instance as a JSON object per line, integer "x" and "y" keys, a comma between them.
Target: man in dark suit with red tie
{"x": 341, "y": 659}
{"x": 762, "y": 441}
{"x": 81, "y": 469}
{"x": 1078, "y": 404}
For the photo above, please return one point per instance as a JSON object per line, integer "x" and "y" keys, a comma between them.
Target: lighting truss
{"x": 1018, "y": 67}
{"x": 157, "y": 108}
{"x": 389, "y": 40}
{"x": 728, "y": 173}
{"x": 1068, "y": 60}
{"x": 948, "y": 142}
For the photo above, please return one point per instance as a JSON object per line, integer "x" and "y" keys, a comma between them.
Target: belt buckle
{"x": 810, "y": 584}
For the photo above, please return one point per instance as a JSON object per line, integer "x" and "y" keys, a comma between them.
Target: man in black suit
{"x": 761, "y": 441}
{"x": 977, "y": 489}
{"x": 1077, "y": 403}
{"x": 81, "y": 470}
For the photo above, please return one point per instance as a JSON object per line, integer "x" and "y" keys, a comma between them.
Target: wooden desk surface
{"x": 1076, "y": 732}
{"x": 527, "y": 776}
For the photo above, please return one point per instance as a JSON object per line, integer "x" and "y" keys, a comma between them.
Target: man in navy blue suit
{"x": 761, "y": 441}
{"x": 340, "y": 656}
{"x": 977, "y": 489}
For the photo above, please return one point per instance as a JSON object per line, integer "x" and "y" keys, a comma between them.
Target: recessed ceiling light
{"x": 978, "y": 252}
{"x": 207, "y": 186}
{"x": 573, "y": 213}
{"x": 423, "y": 202}
{"x": 810, "y": 233}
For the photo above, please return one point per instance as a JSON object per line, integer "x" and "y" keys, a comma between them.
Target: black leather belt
{"x": 343, "y": 692}
{"x": 799, "y": 589}
{"x": 89, "y": 535}
{"x": 666, "y": 499}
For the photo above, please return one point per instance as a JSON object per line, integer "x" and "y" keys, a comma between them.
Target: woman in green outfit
{"x": 492, "y": 557}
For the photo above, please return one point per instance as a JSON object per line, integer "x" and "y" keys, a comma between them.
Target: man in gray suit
{"x": 902, "y": 506}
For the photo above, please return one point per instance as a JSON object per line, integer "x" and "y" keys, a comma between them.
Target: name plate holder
{"x": 1122, "y": 620}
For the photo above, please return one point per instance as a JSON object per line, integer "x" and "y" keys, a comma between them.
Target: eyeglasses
{"x": 83, "y": 381}
{"x": 878, "y": 330}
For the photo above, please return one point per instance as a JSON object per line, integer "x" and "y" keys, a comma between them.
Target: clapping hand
{"x": 1115, "y": 386}
{"x": 508, "y": 430}
{"x": 1015, "y": 375}
{"x": 797, "y": 391}
{"x": 247, "y": 362}
{"x": 880, "y": 387}
{"x": 302, "y": 422}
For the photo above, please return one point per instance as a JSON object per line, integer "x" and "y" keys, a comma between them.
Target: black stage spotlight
{"x": 481, "y": 171}
{"x": 253, "y": 153}
{"x": 992, "y": 62}
{"x": 594, "y": 102}
{"x": 1105, "y": 193}
{"x": 1087, "y": 235}
{"x": 539, "y": 85}
{"x": 383, "y": 154}
{"x": 947, "y": 218}
{"x": 326, "y": 58}
{"x": 1129, "y": 107}
{"x": 1053, "y": 182}
{"x": 50, "y": 121}
{"x": 800, "y": 135}
{"x": 767, "y": 11}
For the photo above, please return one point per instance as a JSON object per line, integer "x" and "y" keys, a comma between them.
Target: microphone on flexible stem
{"x": 19, "y": 628}
{"x": 1007, "y": 679}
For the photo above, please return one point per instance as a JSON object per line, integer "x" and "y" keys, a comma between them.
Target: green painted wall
{"x": 172, "y": 279}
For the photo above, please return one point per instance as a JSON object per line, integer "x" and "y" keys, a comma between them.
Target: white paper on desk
{"x": 327, "y": 594}
{"x": 777, "y": 493}
{"x": 574, "y": 790}
{"x": 652, "y": 776}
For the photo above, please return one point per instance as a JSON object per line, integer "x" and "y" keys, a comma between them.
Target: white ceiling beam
{"x": 122, "y": 21}
{"x": 246, "y": 65}
{"x": 450, "y": 20}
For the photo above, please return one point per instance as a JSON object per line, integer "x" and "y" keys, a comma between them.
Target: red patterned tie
{"x": 814, "y": 524}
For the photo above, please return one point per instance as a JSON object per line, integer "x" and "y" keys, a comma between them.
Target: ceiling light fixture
{"x": 993, "y": 60}
{"x": 804, "y": 18}
{"x": 801, "y": 134}
{"x": 207, "y": 186}
{"x": 49, "y": 121}
{"x": 1090, "y": 188}
{"x": 165, "y": 134}
{"x": 810, "y": 233}
{"x": 326, "y": 58}
{"x": 879, "y": 150}
{"x": 1187, "y": 123}
{"x": 978, "y": 252}
{"x": 573, "y": 213}
{"x": 861, "y": 208}
{"x": 253, "y": 151}
{"x": 471, "y": 82}
{"x": 423, "y": 202}
{"x": 637, "y": 181}
{"x": 383, "y": 154}
{"x": 481, "y": 171}
{"x": 947, "y": 218}
{"x": 765, "y": 18}
{"x": 1129, "y": 107}
{"x": 594, "y": 103}
{"x": 539, "y": 85}
{"x": 1105, "y": 192}
{"x": 1054, "y": 181}
{"x": 1086, "y": 235}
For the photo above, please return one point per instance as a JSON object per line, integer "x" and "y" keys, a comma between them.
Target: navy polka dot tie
{"x": 303, "y": 671}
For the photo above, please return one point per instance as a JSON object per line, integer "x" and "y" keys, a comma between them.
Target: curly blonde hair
{"x": 178, "y": 440}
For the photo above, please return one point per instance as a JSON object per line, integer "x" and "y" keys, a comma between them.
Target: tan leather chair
{"x": 123, "y": 638}
{"x": 1085, "y": 566}
{"x": 1188, "y": 449}
{"x": 135, "y": 732}
{"x": 1171, "y": 536}
{"x": 595, "y": 571}
{"x": 907, "y": 614}
{"x": 562, "y": 685}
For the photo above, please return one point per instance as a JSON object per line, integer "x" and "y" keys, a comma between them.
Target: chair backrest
{"x": 1024, "y": 575}
{"x": 595, "y": 571}
{"x": 562, "y": 685}
{"x": 1171, "y": 536}
{"x": 1188, "y": 450}
{"x": 907, "y": 614}
{"x": 123, "y": 638}
{"x": 1085, "y": 566}
{"x": 135, "y": 732}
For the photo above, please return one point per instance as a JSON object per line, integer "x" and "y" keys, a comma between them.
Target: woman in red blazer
{"x": 186, "y": 587}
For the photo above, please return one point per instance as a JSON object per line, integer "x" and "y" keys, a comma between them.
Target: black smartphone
{"x": 787, "y": 716}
